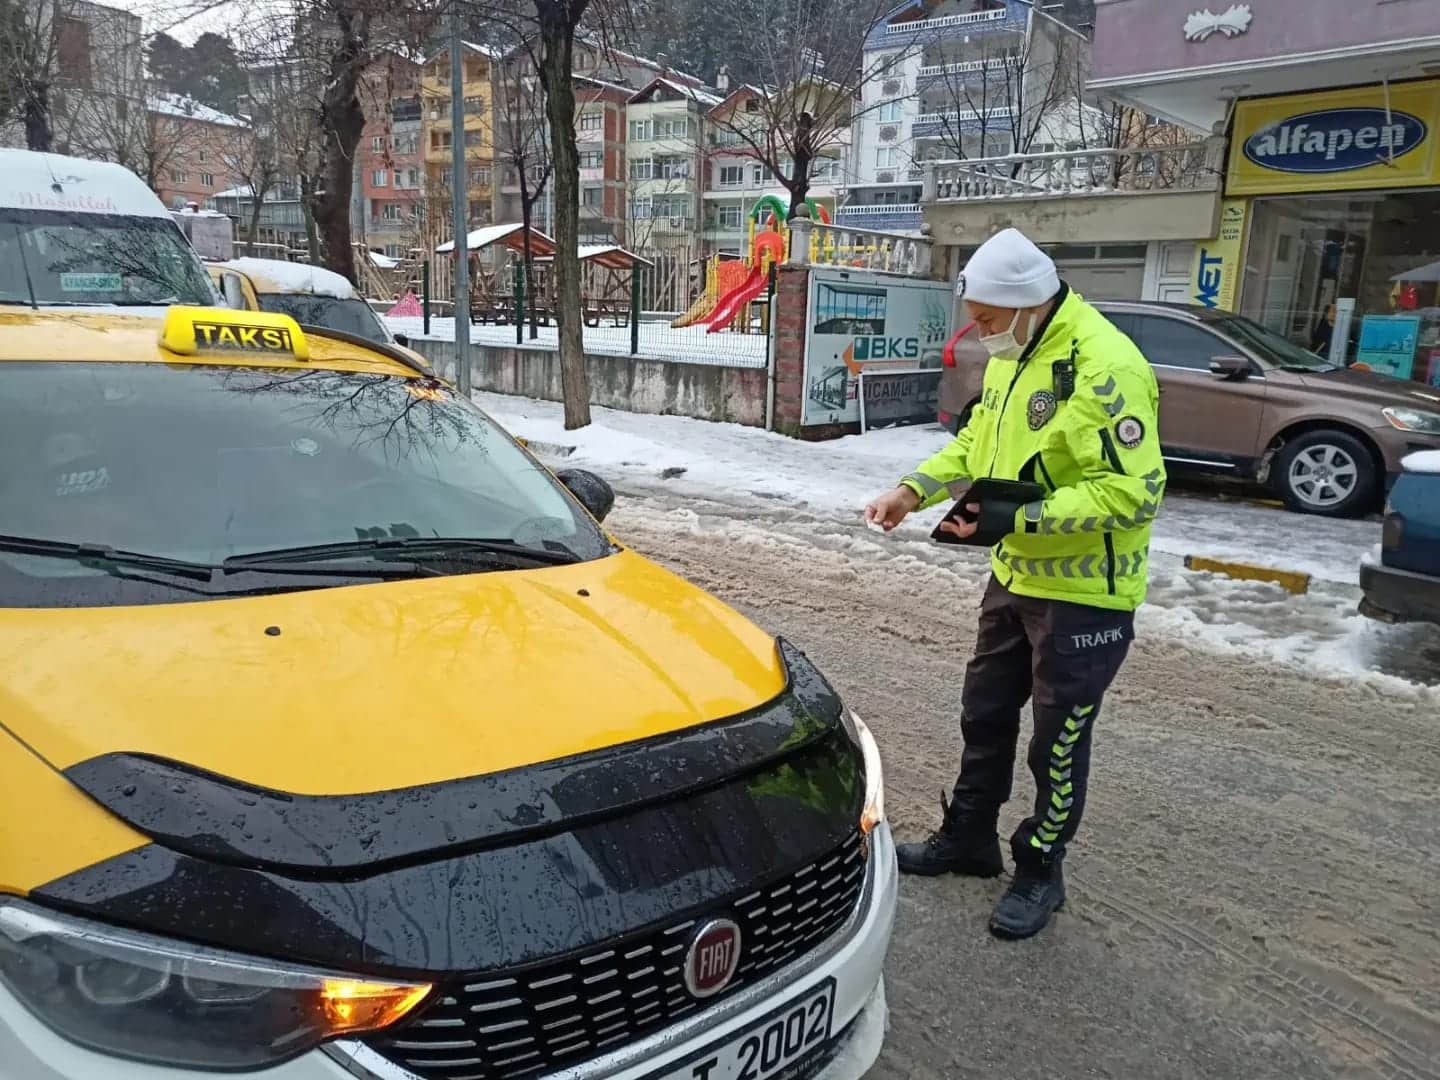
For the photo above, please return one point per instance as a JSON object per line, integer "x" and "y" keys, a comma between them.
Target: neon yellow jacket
{"x": 1096, "y": 452}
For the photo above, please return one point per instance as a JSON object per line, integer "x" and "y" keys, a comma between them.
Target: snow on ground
{"x": 815, "y": 493}
{"x": 658, "y": 341}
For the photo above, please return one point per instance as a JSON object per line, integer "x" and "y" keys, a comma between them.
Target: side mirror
{"x": 403, "y": 340}
{"x": 1230, "y": 367}
{"x": 594, "y": 494}
{"x": 233, "y": 293}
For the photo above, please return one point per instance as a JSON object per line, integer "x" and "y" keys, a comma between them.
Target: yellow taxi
{"x": 339, "y": 739}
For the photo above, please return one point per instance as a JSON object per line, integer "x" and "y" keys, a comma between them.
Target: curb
{"x": 535, "y": 446}
{"x": 1291, "y": 581}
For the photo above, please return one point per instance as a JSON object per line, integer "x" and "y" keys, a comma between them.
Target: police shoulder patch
{"x": 1129, "y": 432}
{"x": 1041, "y": 409}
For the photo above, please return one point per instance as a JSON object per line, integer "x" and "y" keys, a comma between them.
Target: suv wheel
{"x": 1326, "y": 472}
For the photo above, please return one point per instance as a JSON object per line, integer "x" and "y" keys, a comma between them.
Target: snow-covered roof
{"x": 1422, "y": 461}
{"x": 476, "y": 239}
{"x": 276, "y": 275}
{"x": 384, "y": 262}
{"x": 180, "y": 106}
{"x": 39, "y": 181}
{"x": 694, "y": 93}
{"x": 244, "y": 191}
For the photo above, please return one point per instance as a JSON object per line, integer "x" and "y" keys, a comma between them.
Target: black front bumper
{"x": 1392, "y": 595}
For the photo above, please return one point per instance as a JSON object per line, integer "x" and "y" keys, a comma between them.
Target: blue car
{"x": 1402, "y": 584}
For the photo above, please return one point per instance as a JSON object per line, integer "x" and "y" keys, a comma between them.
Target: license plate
{"x": 774, "y": 1048}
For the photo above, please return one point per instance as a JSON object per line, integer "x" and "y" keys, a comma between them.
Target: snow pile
{"x": 658, "y": 341}
{"x": 276, "y": 275}
{"x": 1422, "y": 461}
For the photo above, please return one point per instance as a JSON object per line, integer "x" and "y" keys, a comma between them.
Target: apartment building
{"x": 735, "y": 180}
{"x": 478, "y": 132}
{"x": 600, "y": 134}
{"x": 390, "y": 164}
{"x": 969, "y": 79}
{"x": 195, "y": 150}
{"x": 664, "y": 159}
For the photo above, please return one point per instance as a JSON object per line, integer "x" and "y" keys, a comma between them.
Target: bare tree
{"x": 254, "y": 161}
{"x": 546, "y": 31}
{"x": 523, "y": 149}
{"x": 811, "y": 61}
{"x": 29, "y": 47}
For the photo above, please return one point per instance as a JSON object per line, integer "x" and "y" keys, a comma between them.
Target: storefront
{"x": 1339, "y": 195}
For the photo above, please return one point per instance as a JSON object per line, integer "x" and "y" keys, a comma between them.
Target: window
{"x": 592, "y": 196}
{"x": 207, "y": 179}
{"x": 377, "y": 144}
{"x": 732, "y": 176}
{"x": 674, "y": 168}
{"x": 393, "y": 251}
{"x": 479, "y": 212}
{"x": 761, "y": 174}
{"x": 592, "y": 122}
{"x": 731, "y": 217}
{"x": 474, "y": 105}
{"x": 640, "y": 208}
{"x": 480, "y": 176}
{"x": 439, "y": 140}
{"x": 178, "y": 176}
{"x": 379, "y": 178}
{"x": 889, "y": 113}
{"x": 642, "y": 130}
{"x": 1172, "y": 343}
{"x": 592, "y": 159}
{"x": 887, "y": 157}
{"x": 390, "y": 211}
{"x": 200, "y": 155}
{"x": 474, "y": 138}
{"x": 675, "y": 129}
{"x": 642, "y": 169}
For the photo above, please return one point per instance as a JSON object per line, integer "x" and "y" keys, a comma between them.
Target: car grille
{"x": 561, "y": 1012}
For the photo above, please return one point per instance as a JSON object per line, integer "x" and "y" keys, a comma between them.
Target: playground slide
{"x": 731, "y": 303}
{"x": 698, "y": 311}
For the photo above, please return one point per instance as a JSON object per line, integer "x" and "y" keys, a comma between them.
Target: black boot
{"x": 960, "y": 846}
{"x": 1037, "y": 892}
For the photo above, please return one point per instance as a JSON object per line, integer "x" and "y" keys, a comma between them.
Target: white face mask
{"x": 1004, "y": 345}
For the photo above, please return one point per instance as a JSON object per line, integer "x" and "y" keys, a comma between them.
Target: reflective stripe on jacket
{"x": 1097, "y": 454}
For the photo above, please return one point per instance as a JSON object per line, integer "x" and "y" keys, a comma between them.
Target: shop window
{"x": 1172, "y": 343}
{"x": 1375, "y": 251}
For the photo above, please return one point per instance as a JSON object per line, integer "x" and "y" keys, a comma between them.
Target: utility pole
{"x": 459, "y": 190}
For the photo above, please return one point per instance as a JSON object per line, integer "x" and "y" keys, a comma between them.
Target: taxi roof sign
{"x": 189, "y": 331}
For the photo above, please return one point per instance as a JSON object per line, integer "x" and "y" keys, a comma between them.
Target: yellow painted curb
{"x": 1289, "y": 580}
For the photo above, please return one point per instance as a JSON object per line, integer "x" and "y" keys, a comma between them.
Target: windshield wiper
{"x": 103, "y": 556}
{"x": 408, "y": 547}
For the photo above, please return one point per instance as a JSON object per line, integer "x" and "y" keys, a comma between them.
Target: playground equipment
{"x": 731, "y": 284}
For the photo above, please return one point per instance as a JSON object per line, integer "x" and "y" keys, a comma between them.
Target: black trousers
{"x": 1064, "y": 657}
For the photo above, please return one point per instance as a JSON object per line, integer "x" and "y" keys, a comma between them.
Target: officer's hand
{"x": 963, "y": 529}
{"x": 890, "y": 509}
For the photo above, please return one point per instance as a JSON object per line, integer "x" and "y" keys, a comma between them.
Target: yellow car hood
{"x": 375, "y": 687}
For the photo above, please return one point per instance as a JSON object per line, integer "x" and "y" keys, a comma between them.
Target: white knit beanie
{"x": 1008, "y": 271}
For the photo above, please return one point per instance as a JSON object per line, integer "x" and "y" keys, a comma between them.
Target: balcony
{"x": 949, "y": 24}
{"x": 965, "y": 70}
{"x": 1133, "y": 194}
{"x": 930, "y": 124}
{"x": 888, "y": 217}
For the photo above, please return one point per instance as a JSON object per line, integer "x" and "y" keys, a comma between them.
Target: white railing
{"x": 966, "y": 67}
{"x": 880, "y": 209}
{"x": 1189, "y": 167}
{"x": 962, "y": 116}
{"x": 866, "y": 249}
{"x": 945, "y": 22}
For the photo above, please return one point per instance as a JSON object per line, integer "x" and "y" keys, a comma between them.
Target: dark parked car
{"x": 1239, "y": 400}
{"x": 1402, "y": 583}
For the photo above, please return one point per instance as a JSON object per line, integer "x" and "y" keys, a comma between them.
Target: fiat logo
{"x": 712, "y": 959}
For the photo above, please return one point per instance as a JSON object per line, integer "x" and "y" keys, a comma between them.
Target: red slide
{"x": 736, "y": 299}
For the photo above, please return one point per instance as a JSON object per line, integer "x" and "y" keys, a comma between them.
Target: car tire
{"x": 1326, "y": 472}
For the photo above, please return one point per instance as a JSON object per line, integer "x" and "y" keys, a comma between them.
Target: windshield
{"x": 349, "y": 316}
{"x": 205, "y": 463}
{"x": 1273, "y": 349}
{"x": 61, "y": 257}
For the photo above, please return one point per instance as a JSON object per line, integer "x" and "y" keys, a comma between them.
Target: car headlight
{"x": 873, "y": 812}
{"x": 1407, "y": 419}
{"x": 145, "y": 997}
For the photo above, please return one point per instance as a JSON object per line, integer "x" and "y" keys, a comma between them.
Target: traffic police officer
{"x": 1069, "y": 403}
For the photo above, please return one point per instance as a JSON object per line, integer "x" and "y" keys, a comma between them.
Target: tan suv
{"x": 1238, "y": 400}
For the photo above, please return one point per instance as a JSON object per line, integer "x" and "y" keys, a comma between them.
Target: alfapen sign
{"x": 1335, "y": 140}
{"x": 1361, "y": 138}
